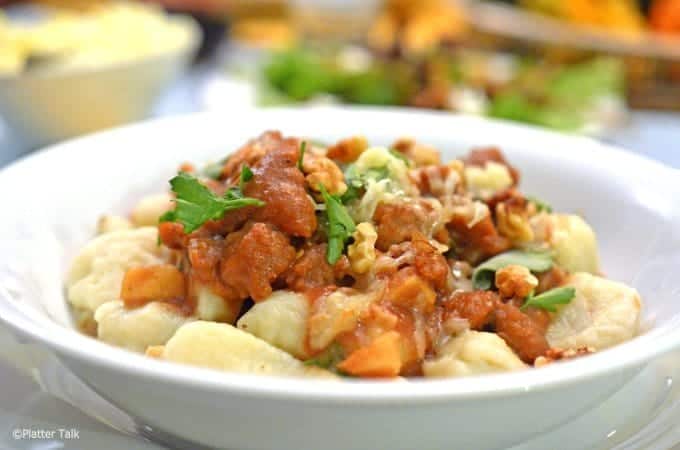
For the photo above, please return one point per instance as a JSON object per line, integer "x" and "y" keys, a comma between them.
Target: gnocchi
{"x": 571, "y": 238}
{"x": 150, "y": 208}
{"x": 472, "y": 353}
{"x": 97, "y": 271}
{"x": 280, "y": 320}
{"x": 603, "y": 313}
{"x": 304, "y": 260}
{"x": 224, "y": 347}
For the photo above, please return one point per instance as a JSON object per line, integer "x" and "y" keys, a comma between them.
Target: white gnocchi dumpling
{"x": 97, "y": 271}
{"x": 485, "y": 181}
{"x": 212, "y": 307}
{"x": 109, "y": 223}
{"x": 280, "y": 320}
{"x": 224, "y": 347}
{"x": 138, "y": 328}
{"x": 147, "y": 211}
{"x": 336, "y": 313}
{"x": 473, "y": 353}
{"x": 603, "y": 313}
{"x": 572, "y": 240}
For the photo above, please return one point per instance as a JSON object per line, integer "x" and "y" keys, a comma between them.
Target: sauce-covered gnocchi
{"x": 291, "y": 257}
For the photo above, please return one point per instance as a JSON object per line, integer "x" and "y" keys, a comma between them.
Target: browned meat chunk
{"x": 479, "y": 241}
{"x": 281, "y": 185}
{"x": 400, "y": 221}
{"x": 476, "y": 307}
{"x": 520, "y": 332}
{"x": 251, "y": 153}
{"x": 253, "y": 258}
{"x": 347, "y": 150}
{"x": 312, "y": 270}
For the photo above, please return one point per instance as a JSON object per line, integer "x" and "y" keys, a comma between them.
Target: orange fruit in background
{"x": 664, "y": 16}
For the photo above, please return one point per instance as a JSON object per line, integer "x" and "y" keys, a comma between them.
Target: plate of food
{"x": 313, "y": 267}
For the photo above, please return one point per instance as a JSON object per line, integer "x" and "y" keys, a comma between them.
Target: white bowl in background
{"x": 51, "y": 105}
{"x": 51, "y": 201}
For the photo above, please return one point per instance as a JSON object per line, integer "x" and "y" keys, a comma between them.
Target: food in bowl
{"x": 68, "y": 39}
{"x": 292, "y": 257}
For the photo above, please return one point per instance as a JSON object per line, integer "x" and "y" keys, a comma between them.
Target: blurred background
{"x": 605, "y": 68}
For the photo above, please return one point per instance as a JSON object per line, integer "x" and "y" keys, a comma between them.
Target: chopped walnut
{"x": 558, "y": 354}
{"x": 515, "y": 281}
{"x": 320, "y": 170}
{"x": 439, "y": 181}
{"x": 362, "y": 252}
{"x": 462, "y": 276}
{"x": 512, "y": 221}
{"x": 421, "y": 155}
{"x": 348, "y": 150}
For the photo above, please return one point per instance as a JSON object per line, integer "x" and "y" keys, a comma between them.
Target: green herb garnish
{"x": 303, "y": 147}
{"x": 196, "y": 204}
{"x": 482, "y": 277}
{"x": 246, "y": 176}
{"x": 549, "y": 299}
{"x": 328, "y": 359}
{"x": 399, "y": 155}
{"x": 340, "y": 225}
{"x": 541, "y": 206}
{"x": 356, "y": 184}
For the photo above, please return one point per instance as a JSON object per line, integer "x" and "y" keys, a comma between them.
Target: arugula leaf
{"x": 548, "y": 299}
{"x": 540, "y": 205}
{"x": 303, "y": 147}
{"x": 196, "y": 204}
{"x": 340, "y": 225}
{"x": 482, "y": 277}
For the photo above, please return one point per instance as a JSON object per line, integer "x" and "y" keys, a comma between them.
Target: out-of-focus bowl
{"x": 55, "y": 104}
{"x": 51, "y": 201}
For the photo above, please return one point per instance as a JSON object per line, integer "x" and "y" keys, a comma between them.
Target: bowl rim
{"x": 187, "y": 46}
{"x": 91, "y": 352}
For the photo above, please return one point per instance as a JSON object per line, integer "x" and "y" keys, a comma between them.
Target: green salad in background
{"x": 584, "y": 96}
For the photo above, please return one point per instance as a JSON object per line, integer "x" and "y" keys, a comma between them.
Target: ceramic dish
{"x": 55, "y": 102}
{"x": 51, "y": 201}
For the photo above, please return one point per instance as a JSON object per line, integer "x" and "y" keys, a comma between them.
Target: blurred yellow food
{"x": 417, "y": 25}
{"x": 264, "y": 32}
{"x": 622, "y": 16}
{"x": 106, "y": 32}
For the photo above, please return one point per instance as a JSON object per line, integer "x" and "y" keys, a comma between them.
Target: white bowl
{"x": 52, "y": 105}
{"x": 51, "y": 200}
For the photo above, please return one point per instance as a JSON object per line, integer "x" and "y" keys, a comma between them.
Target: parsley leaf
{"x": 540, "y": 205}
{"x": 303, "y": 148}
{"x": 548, "y": 299}
{"x": 246, "y": 176}
{"x": 196, "y": 204}
{"x": 340, "y": 225}
{"x": 482, "y": 277}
